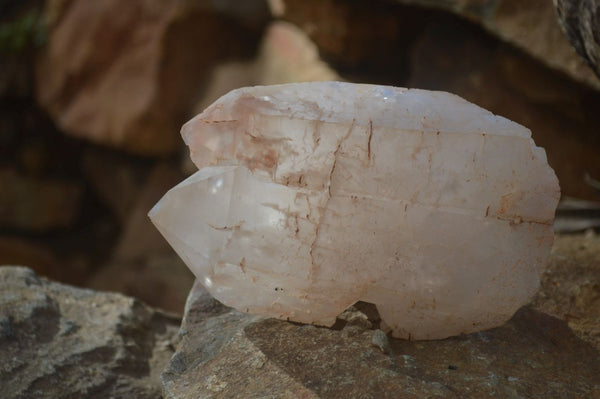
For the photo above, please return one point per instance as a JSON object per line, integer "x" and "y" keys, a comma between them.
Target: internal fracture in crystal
{"x": 310, "y": 197}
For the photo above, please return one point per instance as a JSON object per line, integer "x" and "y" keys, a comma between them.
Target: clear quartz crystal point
{"x": 312, "y": 196}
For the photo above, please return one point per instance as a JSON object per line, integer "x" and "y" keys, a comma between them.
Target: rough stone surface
{"x": 571, "y": 285}
{"x": 340, "y": 29}
{"x": 531, "y": 25}
{"x": 58, "y": 341}
{"x": 580, "y": 20}
{"x": 372, "y": 37}
{"x": 286, "y": 55}
{"x": 226, "y": 354}
{"x": 311, "y": 197}
{"x": 128, "y": 78}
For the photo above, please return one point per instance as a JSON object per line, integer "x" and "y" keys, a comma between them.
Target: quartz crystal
{"x": 312, "y": 196}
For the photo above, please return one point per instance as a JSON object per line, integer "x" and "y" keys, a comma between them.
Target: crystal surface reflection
{"x": 310, "y": 197}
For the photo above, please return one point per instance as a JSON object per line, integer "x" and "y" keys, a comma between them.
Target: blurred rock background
{"x": 93, "y": 94}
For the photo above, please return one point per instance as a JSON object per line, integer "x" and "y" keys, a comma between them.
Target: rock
{"x": 126, "y": 74}
{"x": 224, "y": 354}
{"x": 530, "y": 25}
{"x": 37, "y": 205}
{"x": 286, "y": 55}
{"x": 362, "y": 40}
{"x": 381, "y": 341}
{"x": 353, "y": 316}
{"x": 58, "y": 341}
{"x": 375, "y": 35}
{"x": 571, "y": 285}
{"x": 580, "y": 19}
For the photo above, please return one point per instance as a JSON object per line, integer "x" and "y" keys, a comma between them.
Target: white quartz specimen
{"x": 313, "y": 196}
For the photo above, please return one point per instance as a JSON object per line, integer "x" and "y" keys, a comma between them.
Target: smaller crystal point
{"x": 311, "y": 197}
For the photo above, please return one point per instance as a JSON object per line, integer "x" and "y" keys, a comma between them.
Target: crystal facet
{"x": 312, "y": 196}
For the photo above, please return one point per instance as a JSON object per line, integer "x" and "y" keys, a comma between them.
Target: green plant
{"x": 22, "y": 33}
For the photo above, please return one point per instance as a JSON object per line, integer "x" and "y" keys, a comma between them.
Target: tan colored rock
{"x": 571, "y": 285}
{"x": 351, "y": 31}
{"x": 286, "y": 55}
{"x": 580, "y": 20}
{"x": 531, "y": 25}
{"x": 126, "y": 73}
{"x": 362, "y": 40}
{"x": 225, "y": 354}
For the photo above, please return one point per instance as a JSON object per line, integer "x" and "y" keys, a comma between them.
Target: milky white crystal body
{"x": 310, "y": 197}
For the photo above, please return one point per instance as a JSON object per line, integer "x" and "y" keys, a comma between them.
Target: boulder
{"x": 286, "y": 55}
{"x": 365, "y": 41}
{"x": 529, "y": 25}
{"x": 58, "y": 341}
{"x": 571, "y": 285}
{"x": 224, "y": 353}
{"x": 360, "y": 32}
{"x": 126, "y": 74}
{"x": 581, "y": 22}
{"x": 507, "y": 56}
